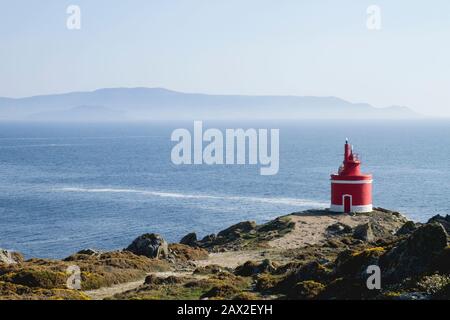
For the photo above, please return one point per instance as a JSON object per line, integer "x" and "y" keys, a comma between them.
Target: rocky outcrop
{"x": 364, "y": 232}
{"x": 210, "y": 269}
{"x": 181, "y": 252}
{"x": 312, "y": 271}
{"x": 208, "y": 239}
{"x": 222, "y": 291}
{"x": 251, "y": 268}
{"x": 414, "y": 260}
{"x": 246, "y": 235}
{"x": 444, "y": 221}
{"x": 306, "y": 290}
{"x": 190, "y": 239}
{"x": 408, "y": 228}
{"x": 234, "y": 231}
{"x": 353, "y": 264}
{"x": 339, "y": 228}
{"x": 415, "y": 254}
{"x": 90, "y": 252}
{"x": 10, "y": 257}
{"x": 150, "y": 245}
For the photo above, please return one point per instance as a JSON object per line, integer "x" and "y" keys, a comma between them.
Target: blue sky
{"x": 285, "y": 47}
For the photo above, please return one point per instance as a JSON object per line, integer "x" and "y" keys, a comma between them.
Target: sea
{"x": 69, "y": 186}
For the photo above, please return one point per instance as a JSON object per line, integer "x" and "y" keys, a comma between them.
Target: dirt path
{"x": 107, "y": 292}
{"x": 230, "y": 259}
{"x": 311, "y": 229}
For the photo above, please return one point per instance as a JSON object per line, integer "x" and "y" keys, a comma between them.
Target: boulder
{"x": 10, "y": 257}
{"x": 353, "y": 264}
{"x": 445, "y": 221}
{"x": 347, "y": 289}
{"x": 313, "y": 271}
{"x": 208, "y": 238}
{"x": 234, "y": 231}
{"x": 364, "y": 232}
{"x": 251, "y": 268}
{"x": 89, "y": 252}
{"x": 339, "y": 228}
{"x": 150, "y": 245}
{"x": 414, "y": 255}
{"x": 306, "y": 290}
{"x": 442, "y": 262}
{"x": 443, "y": 294}
{"x": 223, "y": 291}
{"x": 210, "y": 269}
{"x": 279, "y": 225}
{"x": 408, "y": 228}
{"x": 183, "y": 252}
{"x": 190, "y": 239}
{"x": 384, "y": 228}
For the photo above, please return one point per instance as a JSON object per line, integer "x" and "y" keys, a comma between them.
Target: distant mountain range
{"x": 134, "y": 104}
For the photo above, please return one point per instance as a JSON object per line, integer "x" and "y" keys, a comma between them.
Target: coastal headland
{"x": 313, "y": 254}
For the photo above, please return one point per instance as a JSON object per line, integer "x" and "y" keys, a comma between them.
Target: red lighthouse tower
{"x": 351, "y": 190}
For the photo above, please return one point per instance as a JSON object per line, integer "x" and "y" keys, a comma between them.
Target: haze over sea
{"x": 65, "y": 187}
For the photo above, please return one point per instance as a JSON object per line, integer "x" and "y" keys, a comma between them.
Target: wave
{"x": 296, "y": 202}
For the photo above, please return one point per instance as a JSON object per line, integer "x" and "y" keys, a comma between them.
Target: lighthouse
{"x": 351, "y": 190}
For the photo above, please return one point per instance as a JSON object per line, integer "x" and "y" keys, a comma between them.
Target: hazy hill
{"x": 162, "y": 104}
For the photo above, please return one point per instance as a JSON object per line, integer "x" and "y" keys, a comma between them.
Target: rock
{"x": 190, "y": 239}
{"x": 89, "y": 252}
{"x": 246, "y": 296}
{"x": 183, "y": 252}
{"x": 384, "y": 229}
{"x": 432, "y": 284}
{"x": 408, "y": 228}
{"x": 209, "y": 269}
{"x": 442, "y": 262}
{"x": 312, "y": 271}
{"x": 222, "y": 291}
{"x": 234, "y": 231}
{"x": 383, "y": 210}
{"x": 445, "y": 221}
{"x": 288, "y": 268}
{"x": 280, "y": 225}
{"x": 415, "y": 254}
{"x": 351, "y": 264}
{"x": 251, "y": 268}
{"x": 265, "y": 282}
{"x": 332, "y": 244}
{"x": 10, "y": 257}
{"x": 268, "y": 266}
{"x": 347, "y": 289}
{"x": 364, "y": 232}
{"x": 339, "y": 228}
{"x": 150, "y": 245}
{"x": 443, "y": 294}
{"x": 306, "y": 290}
{"x": 209, "y": 238}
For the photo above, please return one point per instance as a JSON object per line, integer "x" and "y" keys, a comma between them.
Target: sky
{"x": 256, "y": 47}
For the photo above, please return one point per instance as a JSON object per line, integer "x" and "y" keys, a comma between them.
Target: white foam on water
{"x": 296, "y": 202}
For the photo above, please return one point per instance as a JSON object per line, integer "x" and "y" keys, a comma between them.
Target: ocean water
{"x": 65, "y": 187}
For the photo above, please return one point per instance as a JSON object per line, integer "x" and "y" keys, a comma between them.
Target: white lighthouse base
{"x": 356, "y": 209}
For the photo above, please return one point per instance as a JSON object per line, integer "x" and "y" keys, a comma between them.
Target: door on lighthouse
{"x": 347, "y": 203}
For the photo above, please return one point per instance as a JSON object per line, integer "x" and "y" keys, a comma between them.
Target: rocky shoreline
{"x": 313, "y": 254}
